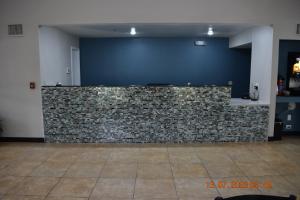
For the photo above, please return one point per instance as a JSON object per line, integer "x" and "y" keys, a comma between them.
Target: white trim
{"x": 72, "y": 70}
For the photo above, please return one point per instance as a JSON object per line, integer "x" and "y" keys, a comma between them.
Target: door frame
{"x": 72, "y": 65}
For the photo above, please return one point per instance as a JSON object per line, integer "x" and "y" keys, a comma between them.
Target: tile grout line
{"x": 99, "y": 176}
{"x": 249, "y": 177}
{"x": 173, "y": 177}
{"x": 263, "y": 161}
{"x": 208, "y": 175}
{"x": 285, "y": 178}
{"x": 136, "y": 176}
{"x": 46, "y": 196}
{"x": 60, "y": 178}
{"x": 245, "y": 175}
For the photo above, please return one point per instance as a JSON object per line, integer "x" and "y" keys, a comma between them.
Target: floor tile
{"x": 158, "y": 188}
{"x": 94, "y": 156}
{"x": 10, "y": 154}
{"x": 196, "y": 188}
{"x": 223, "y": 170}
{"x": 154, "y": 171}
{"x": 285, "y": 167}
{"x": 113, "y": 188}
{"x": 272, "y": 156}
{"x": 129, "y": 149}
{"x": 214, "y": 157}
{"x": 119, "y": 170}
{"x": 155, "y": 199}
{"x": 294, "y": 180}
{"x": 18, "y": 197}
{"x": 109, "y": 198}
{"x": 257, "y": 169}
{"x": 37, "y": 155}
{"x": 293, "y": 157}
{"x": 84, "y": 170}
{"x": 181, "y": 149}
{"x": 261, "y": 147}
{"x": 4, "y": 163}
{"x": 8, "y": 182}
{"x": 21, "y": 168}
{"x": 74, "y": 187}
{"x": 51, "y": 169}
{"x": 199, "y": 198}
{"x": 157, "y": 150}
{"x": 153, "y": 157}
{"x": 246, "y": 156}
{"x": 39, "y": 186}
{"x": 64, "y": 156}
{"x": 184, "y": 157}
{"x": 209, "y": 149}
{"x": 237, "y": 150}
{"x": 127, "y": 156}
{"x": 192, "y": 170}
{"x": 65, "y": 198}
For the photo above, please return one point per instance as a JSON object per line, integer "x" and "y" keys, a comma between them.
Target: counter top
{"x": 246, "y": 102}
{"x": 288, "y": 99}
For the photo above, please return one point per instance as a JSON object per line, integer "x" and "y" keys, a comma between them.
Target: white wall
{"x": 20, "y": 107}
{"x": 261, "y": 61}
{"x": 261, "y": 39}
{"x": 241, "y": 39}
{"x": 19, "y": 57}
{"x": 55, "y": 55}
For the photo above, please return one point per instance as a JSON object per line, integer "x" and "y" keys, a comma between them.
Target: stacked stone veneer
{"x": 149, "y": 115}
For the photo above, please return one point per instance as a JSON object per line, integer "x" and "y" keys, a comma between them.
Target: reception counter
{"x": 140, "y": 114}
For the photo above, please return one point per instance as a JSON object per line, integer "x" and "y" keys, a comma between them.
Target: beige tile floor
{"x": 36, "y": 171}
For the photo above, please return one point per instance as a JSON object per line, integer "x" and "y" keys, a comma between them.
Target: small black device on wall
{"x": 293, "y": 74}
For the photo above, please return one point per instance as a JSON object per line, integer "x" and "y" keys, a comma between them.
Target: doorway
{"x": 75, "y": 66}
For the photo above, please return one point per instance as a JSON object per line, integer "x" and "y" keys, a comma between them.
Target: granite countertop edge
{"x": 127, "y": 86}
{"x": 247, "y": 102}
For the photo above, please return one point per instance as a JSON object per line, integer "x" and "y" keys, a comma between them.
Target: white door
{"x": 75, "y": 66}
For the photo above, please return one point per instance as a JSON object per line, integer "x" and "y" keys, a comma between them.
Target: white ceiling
{"x": 154, "y": 30}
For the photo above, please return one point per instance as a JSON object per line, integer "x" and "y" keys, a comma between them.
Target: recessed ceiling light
{"x": 132, "y": 31}
{"x": 210, "y": 31}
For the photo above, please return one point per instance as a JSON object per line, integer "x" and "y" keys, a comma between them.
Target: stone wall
{"x": 149, "y": 115}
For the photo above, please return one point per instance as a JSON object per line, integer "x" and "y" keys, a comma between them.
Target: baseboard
{"x": 270, "y": 139}
{"x": 21, "y": 139}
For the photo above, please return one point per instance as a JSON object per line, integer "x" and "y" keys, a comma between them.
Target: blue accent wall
{"x": 286, "y": 46}
{"x": 177, "y": 61}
